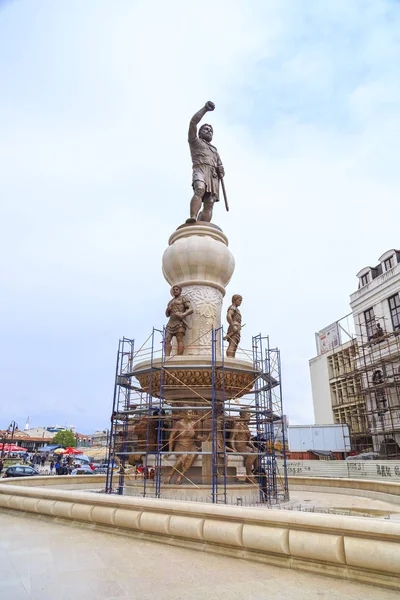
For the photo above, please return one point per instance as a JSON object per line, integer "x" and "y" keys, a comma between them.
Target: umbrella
{"x": 59, "y": 451}
{"x": 72, "y": 451}
{"x": 12, "y": 448}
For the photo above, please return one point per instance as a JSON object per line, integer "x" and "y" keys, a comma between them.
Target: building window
{"x": 377, "y": 377}
{"x": 394, "y": 305}
{"x": 370, "y": 322}
{"x": 381, "y": 402}
{"x": 389, "y": 263}
{"x": 364, "y": 279}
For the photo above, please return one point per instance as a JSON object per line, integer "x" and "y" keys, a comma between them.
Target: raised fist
{"x": 209, "y": 105}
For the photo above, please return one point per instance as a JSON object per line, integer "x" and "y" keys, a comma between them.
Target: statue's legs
{"x": 250, "y": 463}
{"x": 233, "y": 343}
{"x": 179, "y": 338}
{"x": 170, "y": 475}
{"x": 168, "y": 343}
{"x": 207, "y": 212}
{"x": 199, "y": 189}
{"x": 175, "y": 469}
{"x": 183, "y": 463}
{"x": 186, "y": 462}
{"x": 231, "y": 350}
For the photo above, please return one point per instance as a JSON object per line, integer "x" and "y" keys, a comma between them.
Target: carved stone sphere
{"x": 198, "y": 255}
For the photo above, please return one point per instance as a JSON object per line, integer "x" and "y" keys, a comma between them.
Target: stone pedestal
{"x": 202, "y": 468}
{"x": 198, "y": 259}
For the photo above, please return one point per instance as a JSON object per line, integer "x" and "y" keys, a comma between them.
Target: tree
{"x": 65, "y": 438}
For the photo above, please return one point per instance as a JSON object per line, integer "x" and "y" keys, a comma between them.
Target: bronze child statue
{"x": 178, "y": 308}
{"x": 234, "y": 319}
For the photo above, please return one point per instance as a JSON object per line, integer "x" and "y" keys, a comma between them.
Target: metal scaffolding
{"x": 270, "y": 421}
{"x": 144, "y": 417}
{"x": 365, "y": 387}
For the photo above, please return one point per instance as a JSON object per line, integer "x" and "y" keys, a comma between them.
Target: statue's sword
{"x": 225, "y": 196}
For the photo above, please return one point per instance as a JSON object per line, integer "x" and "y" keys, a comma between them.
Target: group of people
{"x": 145, "y": 472}
{"x": 34, "y": 460}
{"x": 64, "y": 465}
{"x": 58, "y": 464}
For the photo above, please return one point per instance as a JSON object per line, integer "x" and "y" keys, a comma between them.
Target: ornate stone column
{"x": 198, "y": 259}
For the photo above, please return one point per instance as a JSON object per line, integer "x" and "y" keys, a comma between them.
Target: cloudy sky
{"x": 95, "y": 175}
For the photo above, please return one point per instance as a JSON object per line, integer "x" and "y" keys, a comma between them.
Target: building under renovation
{"x": 356, "y": 375}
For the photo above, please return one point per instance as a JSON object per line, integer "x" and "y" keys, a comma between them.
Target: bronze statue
{"x": 234, "y": 319}
{"x": 240, "y": 441}
{"x": 207, "y": 167}
{"x": 183, "y": 439}
{"x": 178, "y": 308}
{"x": 141, "y": 438}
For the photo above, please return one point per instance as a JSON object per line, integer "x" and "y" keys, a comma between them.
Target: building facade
{"x": 358, "y": 382}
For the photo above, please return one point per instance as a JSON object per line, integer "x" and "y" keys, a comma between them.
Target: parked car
{"x": 20, "y": 471}
{"x": 103, "y": 468}
{"x": 94, "y": 466}
{"x": 100, "y": 469}
{"x": 82, "y": 458}
{"x": 82, "y": 471}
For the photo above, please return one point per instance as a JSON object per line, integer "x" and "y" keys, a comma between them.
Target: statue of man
{"x": 141, "y": 437}
{"x": 182, "y": 440}
{"x": 207, "y": 167}
{"x": 178, "y": 308}
{"x": 234, "y": 319}
{"x": 240, "y": 441}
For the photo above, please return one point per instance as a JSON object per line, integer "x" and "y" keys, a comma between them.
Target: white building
{"x": 100, "y": 437}
{"x": 358, "y": 382}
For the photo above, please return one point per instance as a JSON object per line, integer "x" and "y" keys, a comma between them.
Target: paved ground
{"x": 41, "y": 559}
{"x": 357, "y": 505}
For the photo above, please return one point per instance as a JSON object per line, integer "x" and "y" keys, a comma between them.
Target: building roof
{"x": 20, "y": 436}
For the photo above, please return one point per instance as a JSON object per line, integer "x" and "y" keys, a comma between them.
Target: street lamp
{"x": 12, "y": 426}
{"x": 107, "y": 436}
{"x": 7, "y": 432}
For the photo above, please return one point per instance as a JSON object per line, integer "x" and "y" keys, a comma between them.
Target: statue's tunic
{"x": 232, "y": 335}
{"x": 205, "y": 159}
{"x": 176, "y": 305}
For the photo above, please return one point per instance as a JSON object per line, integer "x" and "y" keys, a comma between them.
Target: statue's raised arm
{"x": 197, "y": 117}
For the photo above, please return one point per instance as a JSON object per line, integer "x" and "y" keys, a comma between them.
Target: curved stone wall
{"x": 346, "y": 547}
{"x": 370, "y": 488}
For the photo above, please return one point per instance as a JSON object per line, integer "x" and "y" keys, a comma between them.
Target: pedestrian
{"x": 43, "y": 461}
{"x": 58, "y": 467}
{"x": 51, "y": 467}
{"x": 1, "y": 465}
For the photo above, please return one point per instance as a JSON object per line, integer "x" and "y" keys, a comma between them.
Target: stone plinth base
{"x": 239, "y": 494}
{"x": 198, "y": 473}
